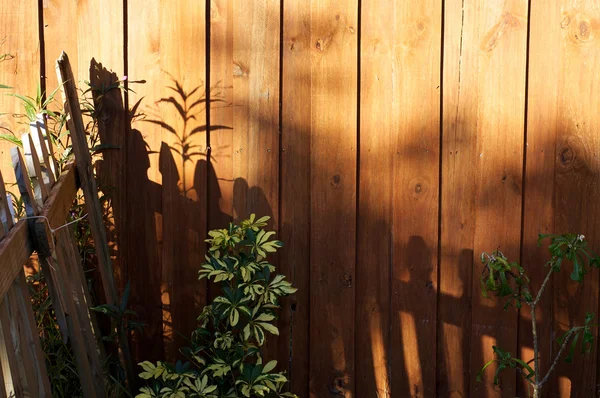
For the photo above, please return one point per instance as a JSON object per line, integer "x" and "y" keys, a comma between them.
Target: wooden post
{"x": 92, "y": 203}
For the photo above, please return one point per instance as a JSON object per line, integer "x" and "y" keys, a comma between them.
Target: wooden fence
{"x": 391, "y": 141}
{"x": 47, "y": 195}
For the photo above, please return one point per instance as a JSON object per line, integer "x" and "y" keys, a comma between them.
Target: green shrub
{"x": 507, "y": 280}
{"x": 224, "y": 359}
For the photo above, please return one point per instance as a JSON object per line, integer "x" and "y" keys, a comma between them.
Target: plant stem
{"x": 543, "y": 287}
{"x": 562, "y": 349}
{"x": 536, "y": 356}
{"x": 537, "y": 385}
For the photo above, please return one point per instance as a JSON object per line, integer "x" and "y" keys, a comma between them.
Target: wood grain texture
{"x": 482, "y": 174}
{"x": 334, "y": 47}
{"x": 256, "y": 108}
{"x": 256, "y": 36}
{"x": 220, "y": 179}
{"x": 379, "y": 125}
{"x": 85, "y": 30}
{"x": 15, "y": 381}
{"x": 499, "y": 122}
{"x": 294, "y": 258}
{"x": 19, "y": 23}
{"x": 415, "y": 199}
{"x": 171, "y": 177}
{"x": 538, "y": 195}
{"x": 92, "y": 204}
{"x": 563, "y": 120}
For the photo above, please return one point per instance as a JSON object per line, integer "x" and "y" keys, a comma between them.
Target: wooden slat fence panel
{"x": 333, "y": 118}
{"x": 333, "y": 162}
{"x": 295, "y": 187}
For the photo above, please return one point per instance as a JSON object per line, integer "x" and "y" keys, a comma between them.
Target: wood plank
{"x": 483, "y": 143}
{"x": 498, "y": 31}
{"x": 539, "y": 209}
{"x": 90, "y": 191}
{"x": 295, "y": 190}
{"x": 220, "y": 168}
{"x": 14, "y": 378}
{"x": 172, "y": 182}
{"x": 401, "y": 70}
{"x": 83, "y": 342}
{"x": 6, "y": 388}
{"x": 41, "y": 143}
{"x": 256, "y": 36}
{"x": 564, "y": 124}
{"x": 111, "y": 121}
{"x": 6, "y": 218}
{"x": 144, "y": 180}
{"x": 256, "y": 108}
{"x": 333, "y": 196}
{"x": 27, "y": 342}
{"x": 53, "y": 264}
{"x": 221, "y": 114}
{"x": 67, "y": 28}
{"x": 415, "y": 196}
{"x": 16, "y": 247}
{"x": 35, "y": 170}
{"x": 21, "y": 40}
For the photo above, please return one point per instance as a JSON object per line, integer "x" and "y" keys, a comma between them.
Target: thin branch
{"x": 560, "y": 352}
{"x": 539, "y": 295}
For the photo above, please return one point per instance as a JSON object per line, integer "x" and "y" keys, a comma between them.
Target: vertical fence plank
{"x": 457, "y": 212}
{"x": 539, "y": 206}
{"x": 295, "y": 187}
{"x": 563, "y": 167}
{"x": 415, "y": 198}
{"x": 256, "y": 108}
{"x": 21, "y": 71}
{"x": 482, "y": 172}
{"x": 379, "y": 121}
{"x": 14, "y": 377}
{"x": 496, "y": 42}
{"x": 84, "y": 30}
{"x": 256, "y": 37}
{"x": 170, "y": 145}
{"x": 334, "y": 75}
{"x": 220, "y": 181}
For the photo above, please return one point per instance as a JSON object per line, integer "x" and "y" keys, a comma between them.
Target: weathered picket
{"x": 47, "y": 198}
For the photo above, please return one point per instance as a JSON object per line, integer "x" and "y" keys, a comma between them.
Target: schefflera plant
{"x": 508, "y": 280}
{"x": 224, "y": 358}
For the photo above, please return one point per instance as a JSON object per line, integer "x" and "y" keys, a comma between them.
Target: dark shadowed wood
{"x": 295, "y": 190}
{"x": 333, "y": 196}
{"x": 220, "y": 168}
{"x": 25, "y": 332}
{"x": 220, "y": 182}
{"x": 171, "y": 144}
{"x": 90, "y": 191}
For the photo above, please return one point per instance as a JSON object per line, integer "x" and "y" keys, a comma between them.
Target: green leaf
{"x": 269, "y": 366}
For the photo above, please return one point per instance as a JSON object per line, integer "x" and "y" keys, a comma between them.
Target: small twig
{"x": 543, "y": 287}
{"x": 562, "y": 348}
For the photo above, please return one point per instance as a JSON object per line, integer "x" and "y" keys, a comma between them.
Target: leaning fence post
{"x": 90, "y": 192}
